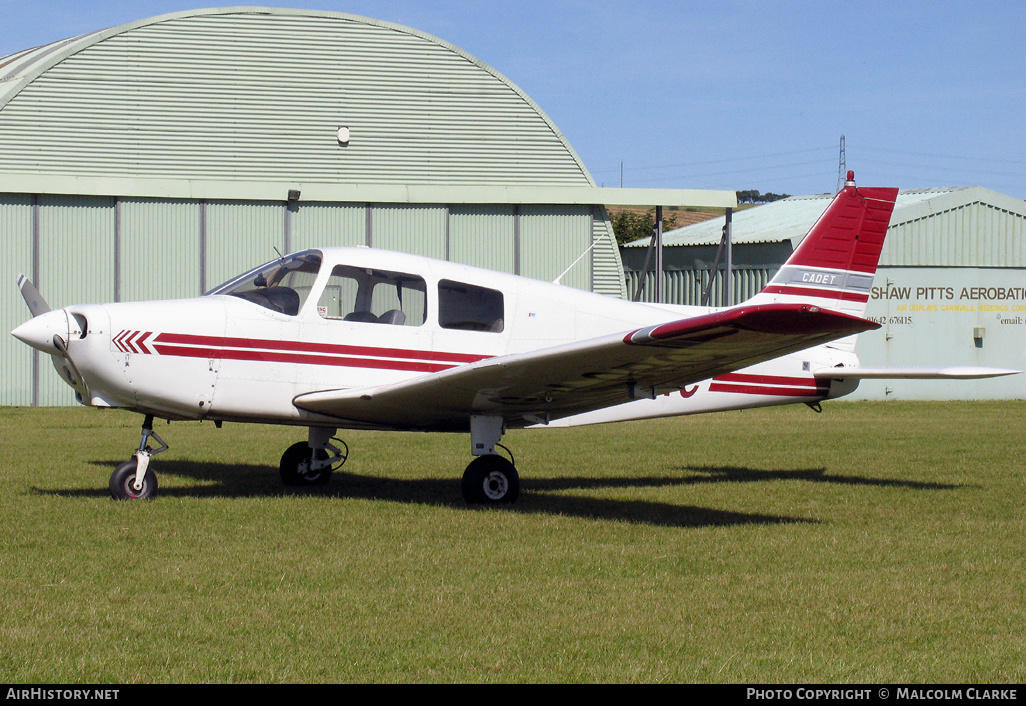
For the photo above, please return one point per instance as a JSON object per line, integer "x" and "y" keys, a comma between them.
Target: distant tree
{"x": 753, "y": 196}
{"x": 629, "y": 226}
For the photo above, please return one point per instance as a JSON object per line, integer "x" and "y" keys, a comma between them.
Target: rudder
{"x": 834, "y": 265}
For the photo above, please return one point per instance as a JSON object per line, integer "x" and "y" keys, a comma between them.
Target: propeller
{"x": 47, "y": 330}
{"x": 36, "y": 304}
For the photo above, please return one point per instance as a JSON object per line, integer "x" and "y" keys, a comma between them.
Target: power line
{"x": 920, "y": 166}
{"x": 699, "y": 163}
{"x": 750, "y": 172}
{"x": 948, "y": 156}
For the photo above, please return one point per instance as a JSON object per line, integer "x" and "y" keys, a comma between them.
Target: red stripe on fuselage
{"x": 777, "y": 385}
{"x": 302, "y": 347}
{"x": 766, "y": 379}
{"x": 276, "y": 351}
{"x": 771, "y": 391}
{"x": 312, "y": 359}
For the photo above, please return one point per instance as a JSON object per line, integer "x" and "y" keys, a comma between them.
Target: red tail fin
{"x": 834, "y": 265}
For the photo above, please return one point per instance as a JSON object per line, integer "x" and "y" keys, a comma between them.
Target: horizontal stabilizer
{"x": 950, "y": 373}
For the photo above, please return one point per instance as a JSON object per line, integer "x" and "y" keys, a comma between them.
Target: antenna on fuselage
{"x": 586, "y": 251}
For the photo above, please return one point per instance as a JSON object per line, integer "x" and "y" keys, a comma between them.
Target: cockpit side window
{"x": 470, "y": 308}
{"x": 374, "y": 296}
{"x": 282, "y": 285}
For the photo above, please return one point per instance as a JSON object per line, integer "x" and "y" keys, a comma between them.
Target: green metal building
{"x": 159, "y": 158}
{"x": 950, "y": 289}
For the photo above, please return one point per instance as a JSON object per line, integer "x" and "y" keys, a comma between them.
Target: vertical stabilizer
{"x": 834, "y": 265}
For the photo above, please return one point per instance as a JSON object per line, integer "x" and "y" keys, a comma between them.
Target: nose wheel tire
{"x": 122, "y": 483}
{"x": 491, "y": 480}
{"x": 295, "y": 466}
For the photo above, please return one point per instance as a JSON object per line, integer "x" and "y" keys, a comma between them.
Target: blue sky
{"x": 718, "y": 94}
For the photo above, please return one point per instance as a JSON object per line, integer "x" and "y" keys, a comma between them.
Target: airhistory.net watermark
{"x": 51, "y": 694}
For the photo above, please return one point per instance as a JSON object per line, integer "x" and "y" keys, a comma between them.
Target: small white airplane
{"x": 369, "y": 339}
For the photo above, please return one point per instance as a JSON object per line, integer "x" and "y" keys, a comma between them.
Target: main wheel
{"x": 295, "y": 466}
{"x": 122, "y": 482}
{"x": 491, "y": 480}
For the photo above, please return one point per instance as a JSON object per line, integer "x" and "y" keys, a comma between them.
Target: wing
{"x": 560, "y": 381}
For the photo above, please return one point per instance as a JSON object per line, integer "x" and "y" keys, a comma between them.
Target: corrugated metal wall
{"x": 241, "y": 235}
{"x": 77, "y": 254}
{"x": 973, "y": 235}
{"x": 327, "y": 224}
{"x": 551, "y": 238}
{"x": 412, "y": 228}
{"x": 606, "y": 268}
{"x": 689, "y": 286}
{"x": 16, "y": 226}
{"x": 160, "y": 249}
{"x": 483, "y": 236}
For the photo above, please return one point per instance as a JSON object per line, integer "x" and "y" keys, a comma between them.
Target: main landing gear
{"x": 489, "y": 479}
{"x": 311, "y": 462}
{"x": 134, "y": 479}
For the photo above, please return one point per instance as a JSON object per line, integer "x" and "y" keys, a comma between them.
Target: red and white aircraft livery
{"x": 362, "y": 338}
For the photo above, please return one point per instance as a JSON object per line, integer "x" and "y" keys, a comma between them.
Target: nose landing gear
{"x": 134, "y": 479}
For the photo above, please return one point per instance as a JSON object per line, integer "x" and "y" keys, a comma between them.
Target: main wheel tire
{"x": 295, "y": 466}
{"x": 122, "y": 482}
{"x": 491, "y": 480}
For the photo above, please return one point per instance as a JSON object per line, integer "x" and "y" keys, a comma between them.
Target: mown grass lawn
{"x": 876, "y": 542}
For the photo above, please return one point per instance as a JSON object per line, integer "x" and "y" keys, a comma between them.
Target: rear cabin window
{"x": 468, "y": 307}
{"x": 374, "y": 297}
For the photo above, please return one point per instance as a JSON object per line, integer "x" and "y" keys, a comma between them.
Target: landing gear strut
{"x": 311, "y": 462}
{"x": 134, "y": 479}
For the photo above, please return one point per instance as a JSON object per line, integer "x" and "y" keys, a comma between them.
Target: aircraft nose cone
{"x": 38, "y": 332}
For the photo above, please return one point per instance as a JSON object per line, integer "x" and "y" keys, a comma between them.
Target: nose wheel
{"x": 123, "y": 485}
{"x": 134, "y": 479}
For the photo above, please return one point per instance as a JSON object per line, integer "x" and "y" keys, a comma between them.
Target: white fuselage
{"x": 225, "y": 357}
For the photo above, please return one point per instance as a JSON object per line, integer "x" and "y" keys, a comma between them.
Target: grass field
{"x": 876, "y": 542}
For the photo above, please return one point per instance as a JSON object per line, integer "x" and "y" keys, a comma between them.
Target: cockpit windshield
{"x": 282, "y": 285}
